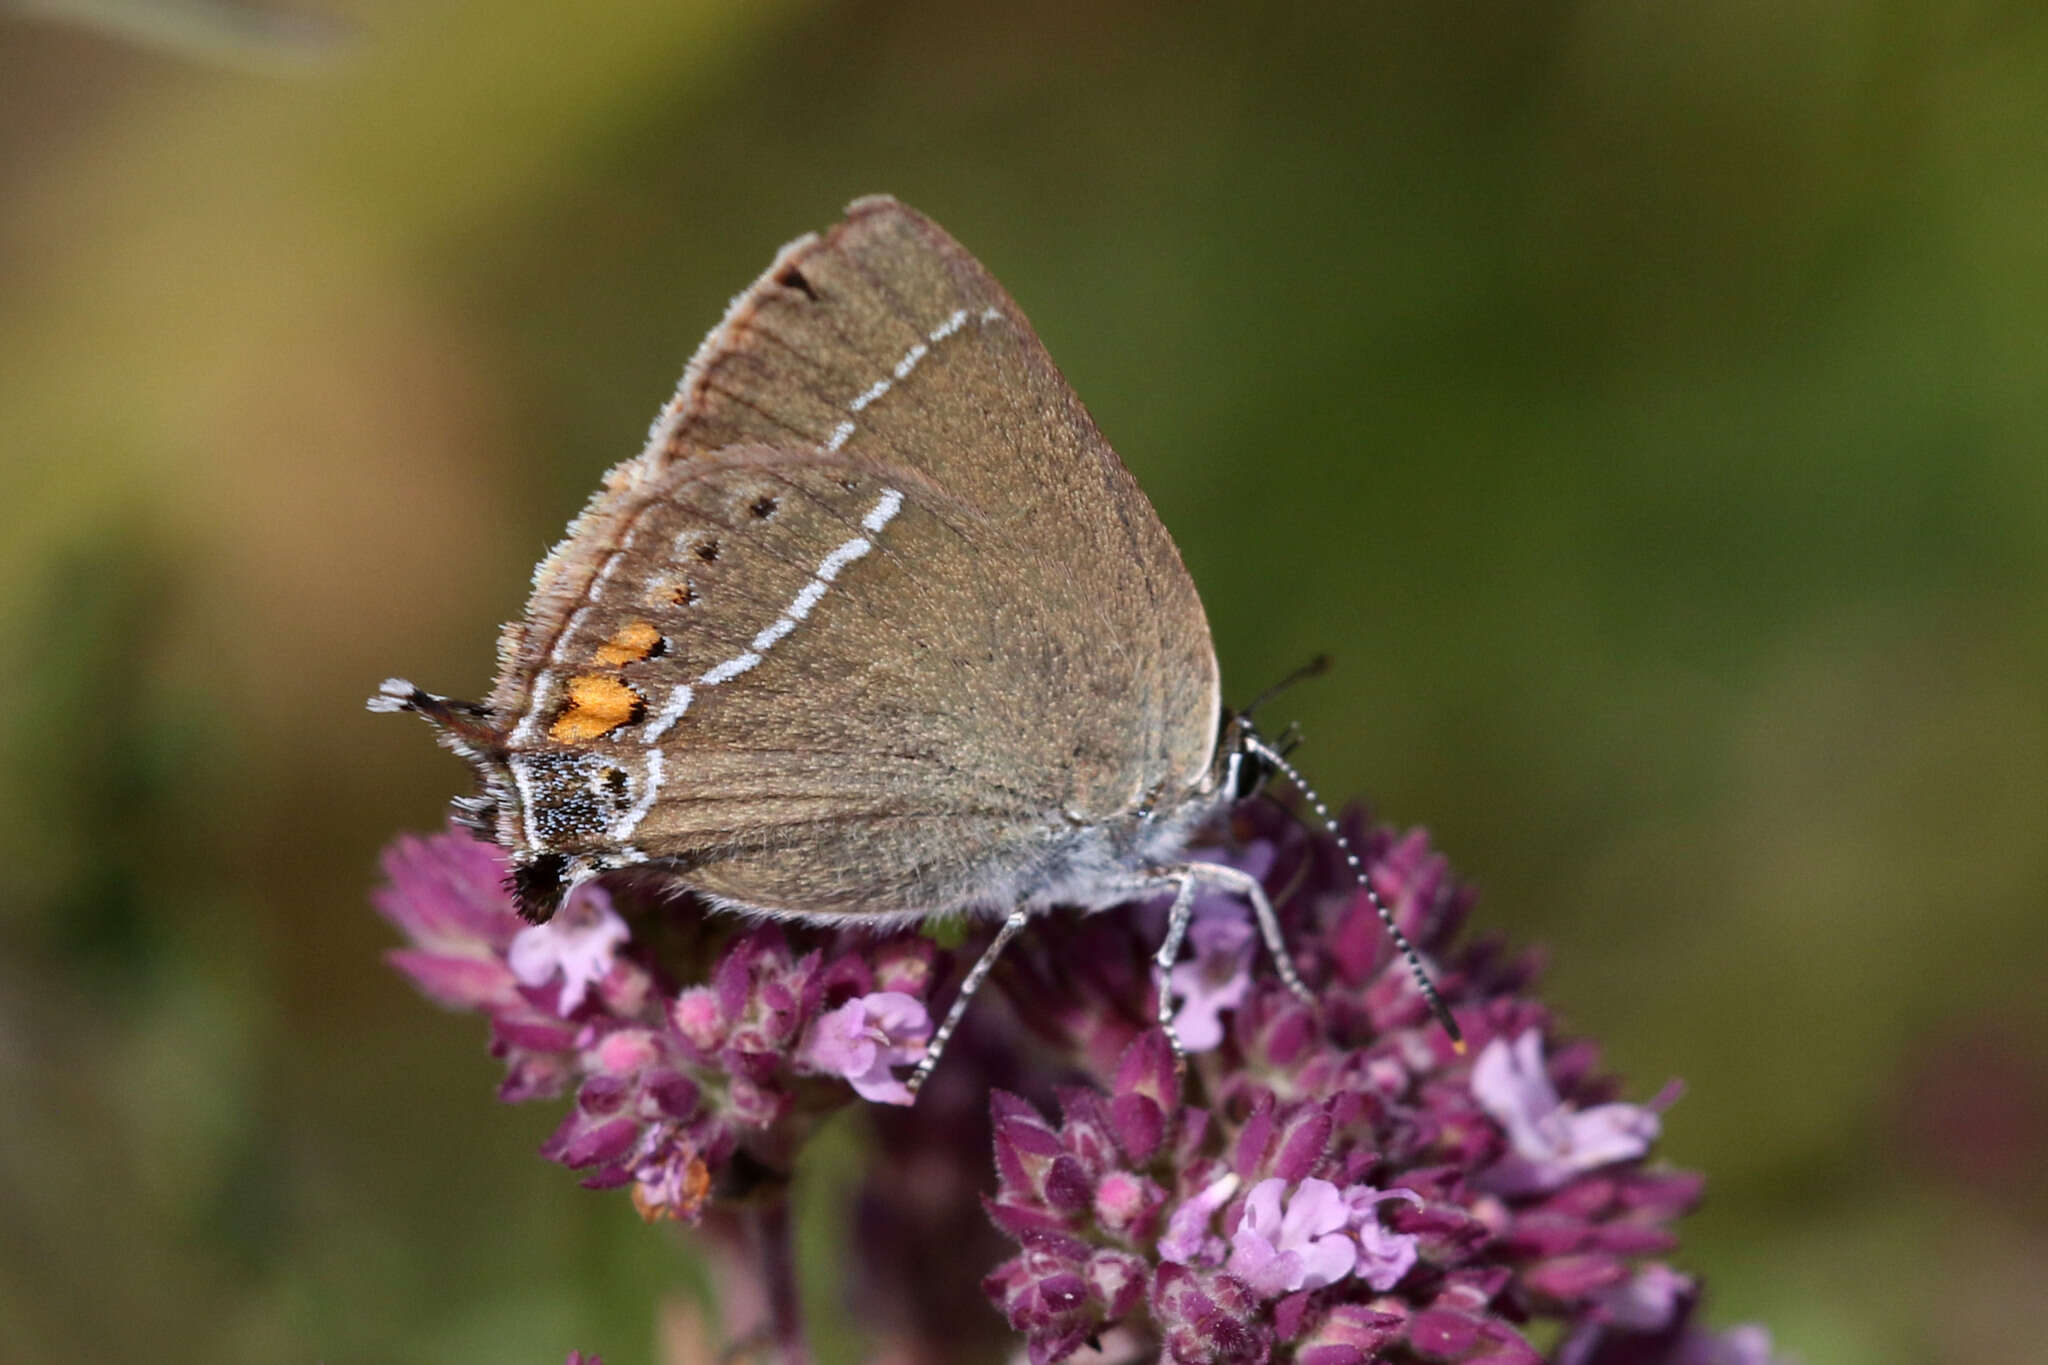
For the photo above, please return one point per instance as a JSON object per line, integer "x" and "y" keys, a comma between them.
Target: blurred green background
{"x": 1645, "y": 403}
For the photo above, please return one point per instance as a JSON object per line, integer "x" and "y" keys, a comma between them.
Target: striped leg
{"x": 979, "y": 973}
{"x": 1169, "y": 951}
{"x": 1246, "y": 885}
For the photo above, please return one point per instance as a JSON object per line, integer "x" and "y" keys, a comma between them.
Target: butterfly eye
{"x": 1246, "y": 766}
{"x": 1246, "y": 775}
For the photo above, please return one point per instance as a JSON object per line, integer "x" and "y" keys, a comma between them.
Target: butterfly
{"x": 877, "y": 628}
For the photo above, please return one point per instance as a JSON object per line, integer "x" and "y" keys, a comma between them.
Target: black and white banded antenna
{"x": 1314, "y": 668}
{"x": 1268, "y": 754}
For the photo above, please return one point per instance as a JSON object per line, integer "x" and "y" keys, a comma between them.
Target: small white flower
{"x": 579, "y": 942}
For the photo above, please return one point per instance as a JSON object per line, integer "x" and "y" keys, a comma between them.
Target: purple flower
{"x": 1648, "y": 1301}
{"x": 1208, "y": 1318}
{"x": 1302, "y": 1247}
{"x": 1219, "y": 976}
{"x": 1328, "y": 1183}
{"x": 1127, "y": 1203}
{"x": 866, "y": 1036}
{"x": 579, "y": 942}
{"x": 1384, "y": 1255}
{"x": 1646, "y": 1320}
{"x": 682, "y": 1096}
{"x": 1305, "y": 1247}
{"x": 1551, "y": 1142}
{"x": 447, "y": 897}
{"x": 1337, "y": 1186}
{"x": 1188, "y": 1239}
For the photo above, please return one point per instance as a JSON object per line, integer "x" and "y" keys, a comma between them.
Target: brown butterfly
{"x": 876, "y": 628}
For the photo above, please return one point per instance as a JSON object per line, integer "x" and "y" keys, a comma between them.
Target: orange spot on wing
{"x": 630, "y": 643}
{"x": 597, "y": 706}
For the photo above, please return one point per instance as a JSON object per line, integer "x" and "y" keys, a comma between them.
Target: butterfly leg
{"x": 975, "y": 976}
{"x": 1177, "y": 920}
{"x": 1247, "y": 886}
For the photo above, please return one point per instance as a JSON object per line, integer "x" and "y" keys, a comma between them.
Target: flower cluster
{"x": 1331, "y": 1184}
{"x": 1337, "y": 1184}
{"x": 682, "y": 1092}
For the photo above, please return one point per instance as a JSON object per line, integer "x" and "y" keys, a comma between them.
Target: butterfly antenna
{"x": 1314, "y": 668}
{"x": 1436, "y": 1003}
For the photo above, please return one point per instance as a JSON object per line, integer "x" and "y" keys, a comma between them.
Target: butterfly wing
{"x": 875, "y": 621}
